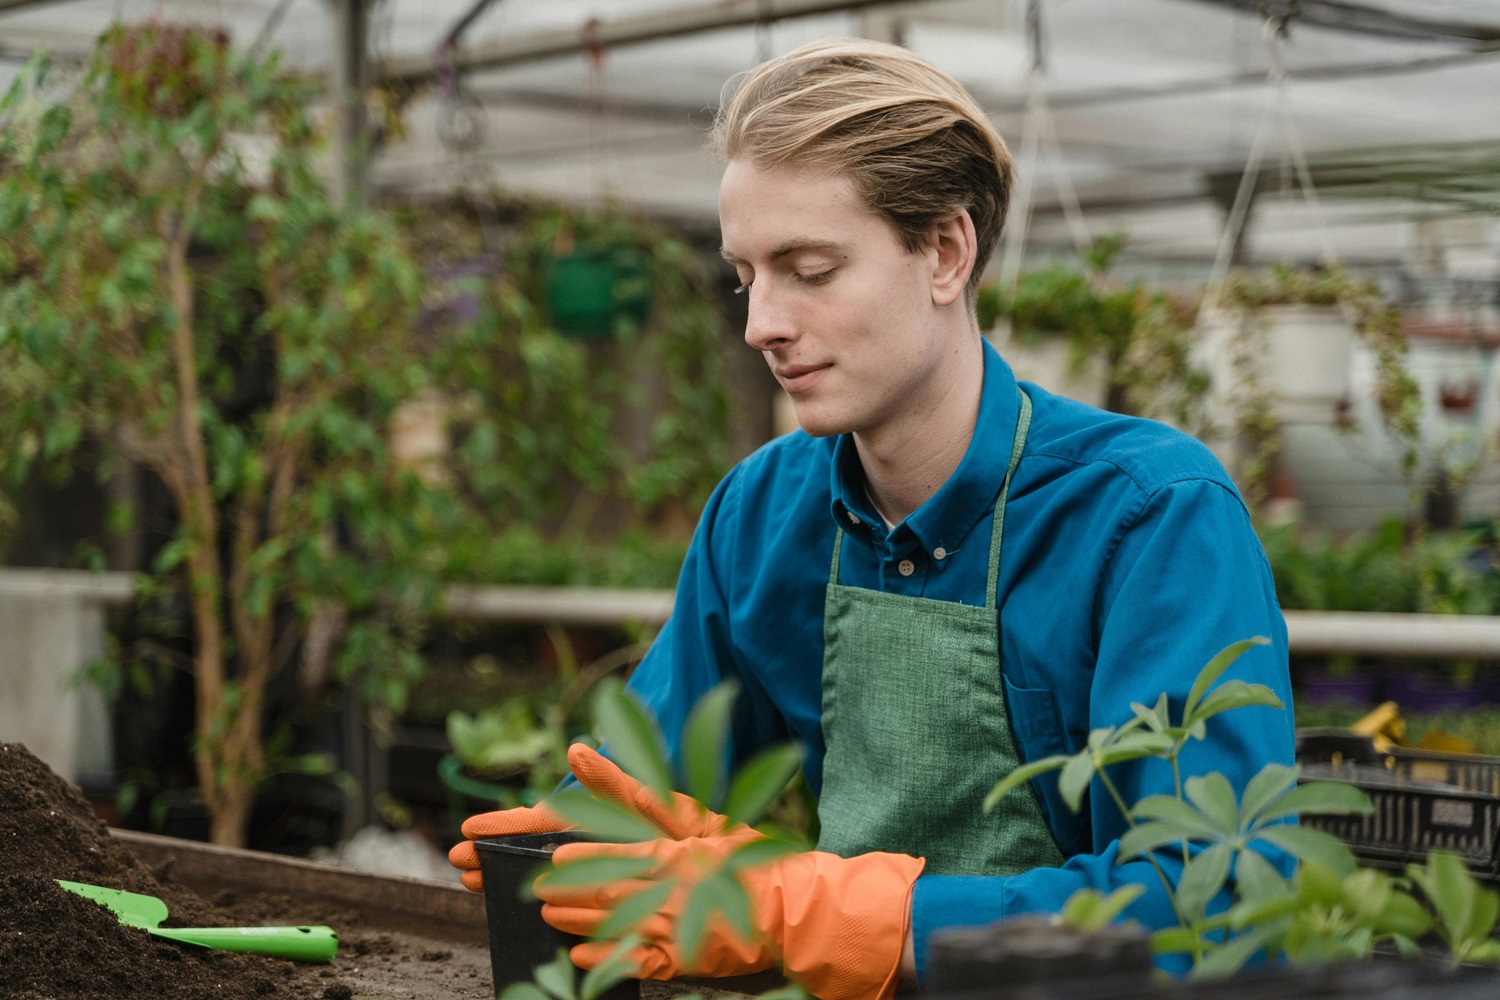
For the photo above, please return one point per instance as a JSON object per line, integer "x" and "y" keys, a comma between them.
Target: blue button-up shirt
{"x": 1129, "y": 560}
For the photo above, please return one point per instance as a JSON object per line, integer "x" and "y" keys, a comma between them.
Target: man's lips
{"x": 795, "y": 378}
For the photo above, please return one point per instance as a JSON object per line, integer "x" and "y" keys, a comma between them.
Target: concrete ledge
{"x": 104, "y": 588}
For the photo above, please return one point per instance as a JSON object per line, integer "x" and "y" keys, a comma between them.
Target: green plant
{"x": 635, "y": 744}
{"x": 1143, "y": 337}
{"x": 538, "y": 433}
{"x": 505, "y": 739}
{"x": 1389, "y": 569}
{"x": 1329, "y": 909}
{"x": 246, "y": 341}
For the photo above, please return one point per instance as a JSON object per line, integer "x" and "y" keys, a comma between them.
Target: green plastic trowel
{"x": 305, "y": 944}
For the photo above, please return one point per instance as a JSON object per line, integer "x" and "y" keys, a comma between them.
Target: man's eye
{"x": 816, "y": 278}
{"x": 743, "y": 287}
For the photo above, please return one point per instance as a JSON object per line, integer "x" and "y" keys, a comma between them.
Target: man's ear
{"x": 953, "y": 248}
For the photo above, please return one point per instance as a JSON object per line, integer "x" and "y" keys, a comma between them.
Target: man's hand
{"x": 677, "y": 818}
{"x": 838, "y": 926}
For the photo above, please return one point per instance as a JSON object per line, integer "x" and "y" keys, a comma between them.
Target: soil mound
{"x": 55, "y": 944}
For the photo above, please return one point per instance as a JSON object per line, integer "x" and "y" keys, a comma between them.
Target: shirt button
{"x": 906, "y": 567}
{"x": 940, "y": 553}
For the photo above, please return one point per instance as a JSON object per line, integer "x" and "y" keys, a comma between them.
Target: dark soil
{"x": 55, "y": 944}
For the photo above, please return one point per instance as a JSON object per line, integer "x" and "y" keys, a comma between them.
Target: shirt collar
{"x": 948, "y": 517}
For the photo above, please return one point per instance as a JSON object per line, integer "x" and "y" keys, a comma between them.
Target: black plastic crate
{"x": 1424, "y": 800}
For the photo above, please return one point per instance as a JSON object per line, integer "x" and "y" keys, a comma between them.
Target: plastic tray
{"x": 1423, "y": 800}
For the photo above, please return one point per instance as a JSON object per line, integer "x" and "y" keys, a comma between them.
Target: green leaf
{"x": 1317, "y": 798}
{"x": 1023, "y": 774}
{"x": 599, "y": 819}
{"x": 1256, "y": 879}
{"x": 1367, "y": 893}
{"x": 1403, "y": 916}
{"x": 703, "y": 741}
{"x": 1487, "y": 951}
{"x": 1269, "y": 784}
{"x": 1089, "y": 909}
{"x": 1202, "y": 879}
{"x": 1214, "y": 797}
{"x": 627, "y": 916}
{"x": 1320, "y": 884}
{"x": 1486, "y": 909}
{"x": 1074, "y": 780}
{"x": 1189, "y": 822}
{"x": 597, "y": 871}
{"x": 1213, "y": 670}
{"x": 760, "y": 781}
{"x": 558, "y": 977}
{"x": 759, "y": 852}
{"x": 615, "y": 969}
{"x": 633, "y": 739}
{"x": 1143, "y": 838}
{"x": 1230, "y": 958}
{"x": 718, "y": 894}
{"x": 1235, "y": 694}
{"x": 1176, "y": 940}
{"x": 1134, "y": 746}
{"x": 1309, "y": 845}
{"x": 523, "y": 991}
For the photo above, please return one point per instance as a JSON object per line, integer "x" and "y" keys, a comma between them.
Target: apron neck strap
{"x": 997, "y": 530}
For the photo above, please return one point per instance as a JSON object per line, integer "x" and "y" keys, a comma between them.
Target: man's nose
{"x": 768, "y": 325}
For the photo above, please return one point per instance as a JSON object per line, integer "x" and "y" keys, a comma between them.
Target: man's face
{"x": 842, "y": 312}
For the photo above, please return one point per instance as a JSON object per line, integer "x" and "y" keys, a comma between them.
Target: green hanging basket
{"x": 594, "y": 294}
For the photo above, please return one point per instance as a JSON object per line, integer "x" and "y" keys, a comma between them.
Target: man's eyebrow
{"x": 787, "y": 249}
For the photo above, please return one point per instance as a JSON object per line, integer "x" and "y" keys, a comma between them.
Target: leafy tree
{"x": 242, "y": 337}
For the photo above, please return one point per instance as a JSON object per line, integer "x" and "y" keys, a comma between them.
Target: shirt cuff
{"x": 943, "y": 901}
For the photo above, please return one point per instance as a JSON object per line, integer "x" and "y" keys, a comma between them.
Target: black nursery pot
{"x": 520, "y": 939}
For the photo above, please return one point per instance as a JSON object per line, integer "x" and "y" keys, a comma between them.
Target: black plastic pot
{"x": 520, "y": 939}
{"x": 1030, "y": 958}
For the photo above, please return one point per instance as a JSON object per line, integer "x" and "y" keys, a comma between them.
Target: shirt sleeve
{"x": 1186, "y": 577}
{"x": 696, "y": 648}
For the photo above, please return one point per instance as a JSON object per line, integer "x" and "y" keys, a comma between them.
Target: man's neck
{"x": 907, "y": 461}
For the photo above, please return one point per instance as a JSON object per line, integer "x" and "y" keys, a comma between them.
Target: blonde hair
{"x": 917, "y": 147}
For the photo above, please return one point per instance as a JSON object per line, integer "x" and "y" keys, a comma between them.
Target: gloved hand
{"x": 836, "y": 925}
{"x": 680, "y": 817}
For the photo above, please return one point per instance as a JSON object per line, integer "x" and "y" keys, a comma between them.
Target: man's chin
{"x": 818, "y": 425}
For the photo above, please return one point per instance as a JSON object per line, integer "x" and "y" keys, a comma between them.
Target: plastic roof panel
{"x": 632, "y": 125}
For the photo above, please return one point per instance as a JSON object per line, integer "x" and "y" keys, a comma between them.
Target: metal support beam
{"x": 351, "y": 76}
{"x": 613, "y": 33}
{"x": 7, "y": 6}
{"x": 1366, "y": 19}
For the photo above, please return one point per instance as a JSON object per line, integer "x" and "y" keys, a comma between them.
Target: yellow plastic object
{"x": 1383, "y": 724}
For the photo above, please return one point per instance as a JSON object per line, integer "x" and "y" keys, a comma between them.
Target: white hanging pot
{"x": 1308, "y": 352}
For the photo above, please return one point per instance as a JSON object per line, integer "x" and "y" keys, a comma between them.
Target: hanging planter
{"x": 1308, "y": 353}
{"x": 598, "y": 293}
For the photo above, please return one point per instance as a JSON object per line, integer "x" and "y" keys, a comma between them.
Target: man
{"x": 944, "y": 574}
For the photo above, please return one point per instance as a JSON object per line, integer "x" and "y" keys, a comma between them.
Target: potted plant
{"x": 509, "y": 755}
{"x": 1305, "y": 324}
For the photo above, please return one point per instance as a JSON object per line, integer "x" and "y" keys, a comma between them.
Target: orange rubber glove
{"x": 836, "y": 925}
{"x": 679, "y": 818}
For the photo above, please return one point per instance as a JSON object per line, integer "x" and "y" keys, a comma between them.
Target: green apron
{"x": 916, "y": 729}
